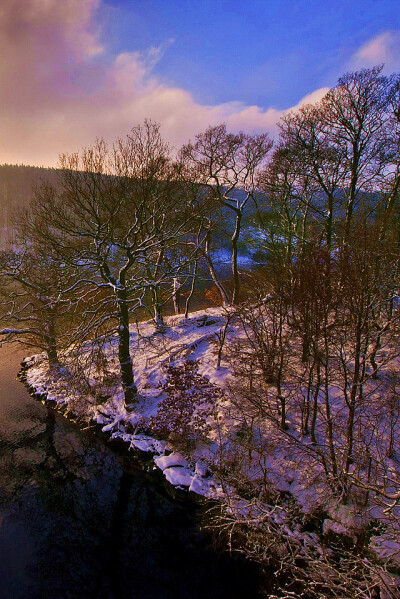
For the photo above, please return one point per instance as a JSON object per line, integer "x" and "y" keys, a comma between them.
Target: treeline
{"x": 128, "y": 228}
{"x": 123, "y": 224}
{"x": 129, "y": 222}
{"x": 16, "y": 184}
{"x": 316, "y": 381}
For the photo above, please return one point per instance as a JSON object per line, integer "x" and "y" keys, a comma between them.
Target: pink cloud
{"x": 60, "y": 90}
{"x": 384, "y": 48}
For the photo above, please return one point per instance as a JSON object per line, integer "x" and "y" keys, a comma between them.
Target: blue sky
{"x": 75, "y": 70}
{"x": 269, "y": 53}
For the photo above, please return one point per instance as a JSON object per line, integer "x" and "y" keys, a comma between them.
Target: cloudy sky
{"x": 74, "y": 70}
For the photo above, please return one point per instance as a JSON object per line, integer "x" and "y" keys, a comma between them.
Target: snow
{"x": 200, "y": 486}
{"x": 335, "y": 527}
{"x": 182, "y": 339}
{"x": 114, "y": 423}
{"x": 201, "y": 469}
{"x": 174, "y": 459}
{"x": 143, "y": 443}
{"x": 286, "y": 465}
{"x": 178, "y": 476}
{"x": 387, "y": 548}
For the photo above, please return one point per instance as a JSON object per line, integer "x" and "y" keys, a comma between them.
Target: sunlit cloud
{"x": 384, "y": 48}
{"x": 60, "y": 89}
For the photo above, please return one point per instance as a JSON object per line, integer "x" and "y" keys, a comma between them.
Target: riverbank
{"x": 193, "y": 422}
{"x": 78, "y": 519}
{"x": 102, "y": 404}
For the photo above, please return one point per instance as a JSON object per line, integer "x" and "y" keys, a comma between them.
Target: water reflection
{"x": 76, "y": 523}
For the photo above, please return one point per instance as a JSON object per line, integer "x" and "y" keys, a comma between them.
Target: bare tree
{"x": 34, "y": 299}
{"x": 227, "y": 165}
{"x": 343, "y": 143}
{"x": 115, "y": 216}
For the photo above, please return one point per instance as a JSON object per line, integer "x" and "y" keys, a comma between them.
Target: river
{"x": 77, "y": 520}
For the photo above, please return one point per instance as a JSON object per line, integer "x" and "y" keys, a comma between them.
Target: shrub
{"x": 184, "y": 415}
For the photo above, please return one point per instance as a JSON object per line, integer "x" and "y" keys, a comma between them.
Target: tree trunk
{"x": 356, "y": 382}
{"x": 305, "y": 346}
{"x": 329, "y": 420}
{"x": 124, "y": 356}
{"x": 176, "y": 296}
{"x": 279, "y": 378}
{"x": 189, "y": 297}
{"x": 51, "y": 341}
{"x": 214, "y": 276}
{"x": 305, "y": 413}
{"x": 52, "y": 355}
{"x": 157, "y": 306}
{"x": 352, "y": 193}
{"x": 155, "y": 290}
{"x": 372, "y": 358}
{"x": 315, "y": 400}
{"x": 235, "y": 271}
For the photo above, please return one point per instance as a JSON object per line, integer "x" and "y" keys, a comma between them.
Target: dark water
{"x": 77, "y": 522}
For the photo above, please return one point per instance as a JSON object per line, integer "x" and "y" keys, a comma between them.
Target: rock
{"x": 336, "y": 534}
{"x": 202, "y": 469}
{"x": 174, "y": 459}
{"x": 178, "y": 476}
{"x": 205, "y": 321}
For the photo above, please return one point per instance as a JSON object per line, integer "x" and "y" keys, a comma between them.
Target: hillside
{"x": 209, "y": 434}
{"x": 16, "y": 184}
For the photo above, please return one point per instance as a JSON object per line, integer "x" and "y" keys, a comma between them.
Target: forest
{"x": 285, "y": 386}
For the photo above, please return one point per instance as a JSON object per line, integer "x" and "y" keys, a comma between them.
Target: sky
{"x": 75, "y": 70}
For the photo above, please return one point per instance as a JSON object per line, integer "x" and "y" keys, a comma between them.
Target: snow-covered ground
{"x": 194, "y": 339}
{"x": 195, "y": 463}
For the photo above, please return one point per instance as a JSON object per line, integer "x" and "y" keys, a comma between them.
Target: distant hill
{"x": 16, "y": 184}
{"x": 16, "y": 191}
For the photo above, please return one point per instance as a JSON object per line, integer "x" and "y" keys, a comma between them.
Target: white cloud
{"x": 384, "y": 48}
{"x": 59, "y": 89}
